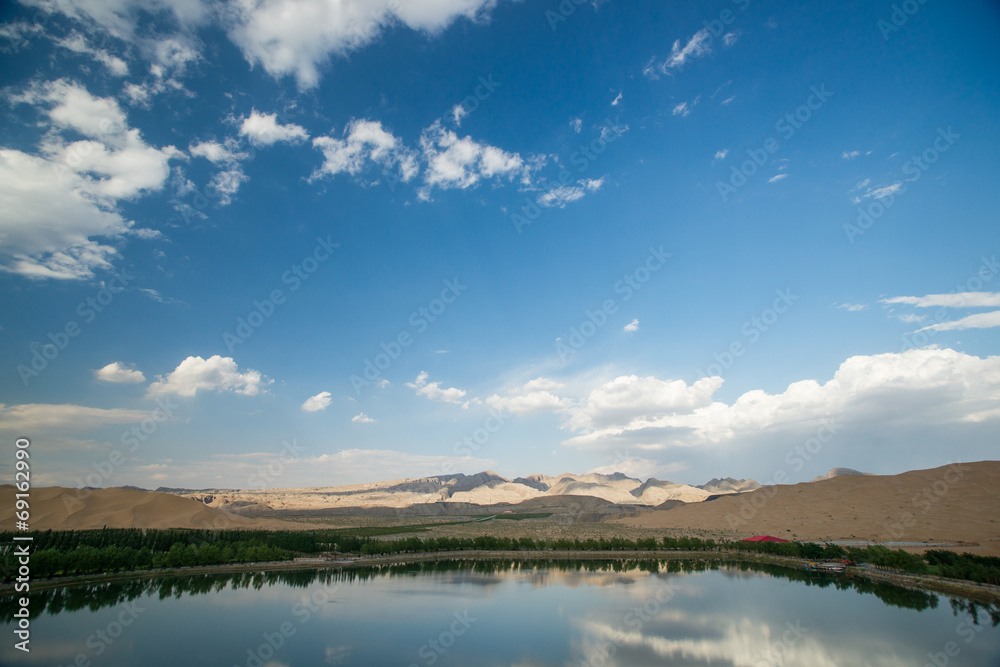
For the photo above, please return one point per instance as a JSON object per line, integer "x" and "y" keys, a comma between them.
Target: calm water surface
{"x": 501, "y": 613}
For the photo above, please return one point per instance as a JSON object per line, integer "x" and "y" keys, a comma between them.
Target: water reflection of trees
{"x": 107, "y": 594}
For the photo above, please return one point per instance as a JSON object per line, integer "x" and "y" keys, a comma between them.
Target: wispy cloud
{"x": 954, "y": 300}
{"x": 978, "y": 321}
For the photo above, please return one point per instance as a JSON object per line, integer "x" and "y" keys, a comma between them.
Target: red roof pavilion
{"x": 764, "y": 538}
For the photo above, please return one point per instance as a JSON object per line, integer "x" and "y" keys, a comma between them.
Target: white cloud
{"x": 317, "y": 403}
{"x": 978, "y": 321}
{"x": 264, "y": 129}
{"x": 727, "y": 100}
{"x": 617, "y": 100}
{"x": 70, "y": 106}
{"x": 682, "y": 110}
{"x": 721, "y": 155}
{"x": 362, "y": 418}
{"x": 78, "y": 44}
{"x": 433, "y": 390}
{"x": 226, "y": 183}
{"x": 576, "y": 124}
{"x": 458, "y": 112}
{"x": 851, "y": 155}
{"x": 775, "y": 179}
{"x": 883, "y": 192}
{"x": 876, "y": 397}
{"x": 225, "y": 153}
{"x": 955, "y": 300}
{"x": 298, "y": 36}
{"x": 57, "y": 201}
{"x": 630, "y": 399}
{"x": 454, "y": 162}
{"x": 118, "y": 372}
{"x": 696, "y": 47}
{"x": 213, "y": 374}
{"x": 40, "y": 418}
{"x": 852, "y": 307}
{"x": 632, "y": 326}
{"x": 172, "y": 55}
{"x": 730, "y": 38}
{"x": 561, "y": 195}
{"x": 121, "y": 18}
{"x": 535, "y": 396}
{"x": 365, "y": 142}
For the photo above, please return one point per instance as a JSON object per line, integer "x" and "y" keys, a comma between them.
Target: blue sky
{"x": 750, "y": 238}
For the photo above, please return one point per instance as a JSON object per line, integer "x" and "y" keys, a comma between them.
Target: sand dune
{"x": 485, "y": 488}
{"x": 57, "y": 508}
{"x": 957, "y": 503}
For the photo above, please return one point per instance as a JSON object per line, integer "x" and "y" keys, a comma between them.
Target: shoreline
{"x": 952, "y": 587}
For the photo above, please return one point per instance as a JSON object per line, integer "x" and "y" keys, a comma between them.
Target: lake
{"x": 507, "y": 613}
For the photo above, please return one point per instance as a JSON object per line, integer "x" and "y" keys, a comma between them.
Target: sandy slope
{"x": 58, "y": 508}
{"x": 957, "y": 503}
{"x": 485, "y": 488}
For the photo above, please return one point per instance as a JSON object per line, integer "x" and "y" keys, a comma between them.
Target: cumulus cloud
{"x": 721, "y": 155}
{"x": 446, "y": 160}
{"x": 365, "y": 142}
{"x": 60, "y": 201}
{"x": 362, "y": 418}
{"x": 264, "y": 129}
{"x": 213, "y": 374}
{"x": 850, "y": 155}
{"x": 433, "y": 390}
{"x": 632, "y": 326}
{"x": 461, "y": 162}
{"x": 118, "y": 372}
{"x": 535, "y": 396}
{"x": 576, "y": 124}
{"x": 879, "y": 397}
{"x": 296, "y": 37}
{"x": 218, "y": 153}
{"x": 226, "y": 182}
{"x": 317, "y": 403}
{"x": 630, "y": 400}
